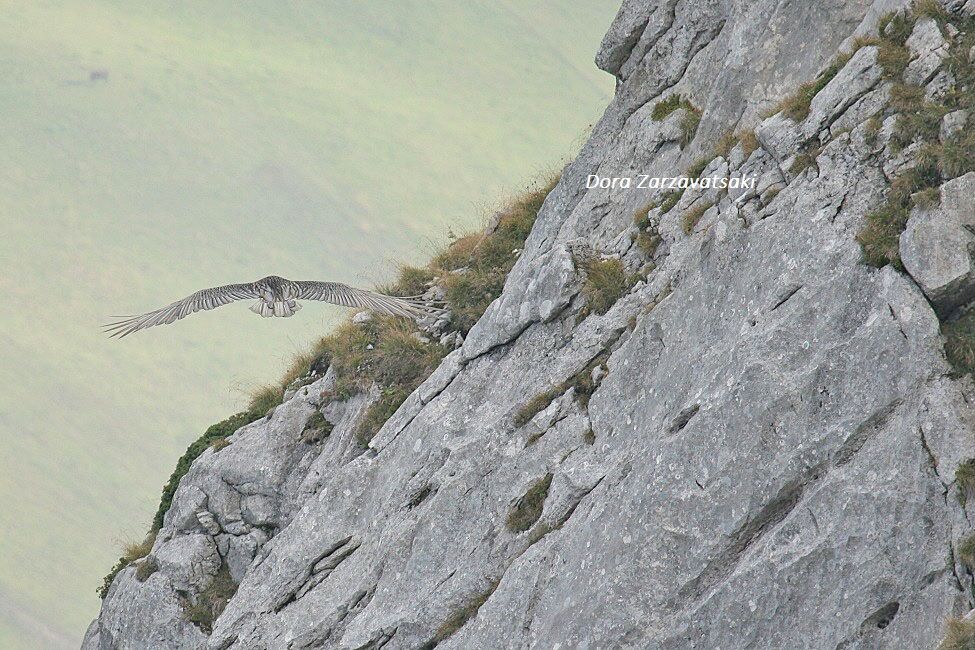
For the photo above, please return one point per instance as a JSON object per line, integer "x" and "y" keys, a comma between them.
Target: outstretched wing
{"x": 199, "y": 301}
{"x": 342, "y": 294}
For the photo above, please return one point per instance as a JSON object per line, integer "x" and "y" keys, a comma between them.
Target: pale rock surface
{"x": 768, "y": 460}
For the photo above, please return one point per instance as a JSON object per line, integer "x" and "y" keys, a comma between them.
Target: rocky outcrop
{"x": 767, "y": 457}
{"x": 938, "y": 246}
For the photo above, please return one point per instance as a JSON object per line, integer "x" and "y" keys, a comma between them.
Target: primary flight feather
{"x": 275, "y": 297}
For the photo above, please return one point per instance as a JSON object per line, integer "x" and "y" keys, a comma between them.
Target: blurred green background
{"x": 152, "y": 149}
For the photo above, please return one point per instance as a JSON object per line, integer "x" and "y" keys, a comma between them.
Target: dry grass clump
{"x": 749, "y": 142}
{"x": 797, "y": 105}
{"x": 692, "y": 216}
{"x": 606, "y": 282}
{"x": 959, "y": 634}
{"x": 966, "y": 552}
{"x": 957, "y": 155}
{"x": 131, "y": 552}
{"x": 960, "y": 344}
{"x": 965, "y": 479}
{"x": 387, "y": 352}
{"x": 671, "y": 199}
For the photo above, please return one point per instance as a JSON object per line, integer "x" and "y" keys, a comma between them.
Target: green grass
{"x": 690, "y": 121}
{"x": 880, "y": 236}
{"x": 606, "y": 282}
{"x": 960, "y": 342}
{"x": 130, "y": 553}
{"x": 691, "y": 217}
{"x": 581, "y": 382}
{"x": 966, "y": 552}
{"x": 662, "y": 109}
{"x": 797, "y": 105}
{"x": 671, "y": 199}
{"x": 959, "y": 635}
{"x": 528, "y": 508}
{"x": 462, "y": 614}
{"x": 390, "y": 353}
{"x": 207, "y": 605}
{"x": 965, "y": 478}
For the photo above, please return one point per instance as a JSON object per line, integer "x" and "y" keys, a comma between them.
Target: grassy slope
{"x": 309, "y": 141}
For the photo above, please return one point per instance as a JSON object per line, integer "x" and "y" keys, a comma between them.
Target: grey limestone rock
{"x": 768, "y": 455}
{"x": 938, "y": 245}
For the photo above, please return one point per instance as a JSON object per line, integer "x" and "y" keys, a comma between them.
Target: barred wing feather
{"x": 346, "y": 296}
{"x": 199, "y": 301}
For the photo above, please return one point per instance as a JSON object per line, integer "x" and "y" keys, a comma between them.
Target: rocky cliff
{"x": 761, "y": 443}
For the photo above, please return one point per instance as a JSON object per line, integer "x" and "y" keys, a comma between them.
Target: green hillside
{"x": 219, "y": 142}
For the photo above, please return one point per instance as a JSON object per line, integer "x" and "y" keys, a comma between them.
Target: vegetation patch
{"x": 692, "y": 216}
{"x": 957, "y": 155}
{"x": 670, "y": 200}
{"x": 648, "y": 237}
{"x": 959, "y": 336}
{"x": 965, "y": 479}
{"x": 317, "y": 428}
{"x": 966, "y": 552}
{"x": 698, "y": 166}
{"x": 130, "y": 553}
{"x": 796, "y": 106}
{"x": 463, "y": 614}
{"x": 219, "y": 443}
{"x": 210, "y": 603}
{"x": 606, "y": 282}
{"x": 880, "y": 236}
{"x": 959, "y": 635}
{"x": 146, "y": 568}
{"x": 689, "y": 123}
{"x": 215, "y": 432}
{"x": 528, "y": 507}
{"x": 805, "y": 160}
{"x": 581, "y": 382}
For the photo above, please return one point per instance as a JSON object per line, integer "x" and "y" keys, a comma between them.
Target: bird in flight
{"x": 275, "y": 297}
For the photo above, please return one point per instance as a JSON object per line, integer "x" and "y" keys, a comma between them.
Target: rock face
{"x": 768, "y": 459}
{"x": 939, "y": 243}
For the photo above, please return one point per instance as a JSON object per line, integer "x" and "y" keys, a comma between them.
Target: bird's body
{"x": 276, "y": 296}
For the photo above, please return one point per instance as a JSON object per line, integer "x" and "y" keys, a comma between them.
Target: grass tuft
{"x": 130, "y": 553}
{"x": 146, "y": 568}
{"x": 959, "y": 635}
{"x": 606, "y": 282}
{"x": 689, "y": 123}
{"x": 928, "y": 198}
{"x": 966, "y": 552}
{"x": 692, "y": 216}
{"x": 581, "y": 383}
{"x": 528, "y": 508}
{"x": 896, "y": 27}
{"x": 960, "y": 346}
{"x": 929, "y": 9}
{"x": 210, "y": 603}
{"x": 957, "y": 155}
{"x": 671, "y": 199}
{"x": 663, "y": 108}
{"x": 648, "y": 238}
{"x": 463, "y": 614}
{"x": 965, "y": 478}
{"x": 749, "y": 142}
{"x": 880, "y": 236}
